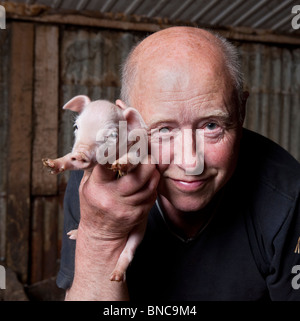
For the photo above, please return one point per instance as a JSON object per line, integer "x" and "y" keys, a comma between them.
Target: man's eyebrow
{"x": 216, "y": 113}
{"x": 155, "y": 122}
{"x": 221, "y": 115}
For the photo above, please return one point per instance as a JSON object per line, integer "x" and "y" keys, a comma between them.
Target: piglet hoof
{"x": 72, "y": 234}
{"x": 117, "y": 276}
{"x": 50, "y": 163}
{"x": 120, "y": 168}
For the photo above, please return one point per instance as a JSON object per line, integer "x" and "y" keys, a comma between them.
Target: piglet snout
{"x": 81, "y": 160}
{"x": 80, "y": 156}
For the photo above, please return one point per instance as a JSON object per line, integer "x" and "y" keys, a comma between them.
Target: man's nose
{"x": 191, "y": 146}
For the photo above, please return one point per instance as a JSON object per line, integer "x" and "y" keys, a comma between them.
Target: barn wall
{"x": 272, "y": 76}
{"x": 42, "y": 67}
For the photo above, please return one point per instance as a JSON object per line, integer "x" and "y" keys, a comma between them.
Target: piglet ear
{"x": 121, "y": 104}
{"x": 77, "y": 103}
{"x": 133, "y": 118}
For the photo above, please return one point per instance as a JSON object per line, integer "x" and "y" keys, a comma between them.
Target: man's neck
{"x": 184, "y": 224}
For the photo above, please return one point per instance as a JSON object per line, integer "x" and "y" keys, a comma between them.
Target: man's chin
{"x": 187, "y": 204}
{"x": 191, "y": 207}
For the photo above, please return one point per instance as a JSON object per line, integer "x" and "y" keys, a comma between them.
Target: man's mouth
{"x": 188, "y": 185}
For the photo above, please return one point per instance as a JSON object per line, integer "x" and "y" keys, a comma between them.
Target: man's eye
{"x": 211, "y": 126}
{"x": 164, "y": 130}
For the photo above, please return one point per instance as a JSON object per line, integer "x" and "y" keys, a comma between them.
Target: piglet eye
{"x": 114, "y": 135}
{"x": 75, "y": 127}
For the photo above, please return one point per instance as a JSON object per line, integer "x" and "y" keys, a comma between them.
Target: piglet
{"x": 98, "y": 124}
{"x": 96, "y": 119}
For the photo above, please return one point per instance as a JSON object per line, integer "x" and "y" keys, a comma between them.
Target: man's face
{"x": 190, "y": 96}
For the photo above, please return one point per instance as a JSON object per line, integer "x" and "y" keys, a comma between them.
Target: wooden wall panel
{"x": 5, "y": 44}
{"x": 19, "y": 148}
{"x": 46, "y": 97}
{"x": 44, "y": 238}
{"x": 44, "y": 250}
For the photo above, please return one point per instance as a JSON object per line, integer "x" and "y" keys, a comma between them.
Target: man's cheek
{"x": 218, "y": 156}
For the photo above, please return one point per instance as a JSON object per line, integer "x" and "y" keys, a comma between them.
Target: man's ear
{"x": 77, "y": 103}
{"x": 245, "y": 96}
{"x": 121, "y": 104}
{"x": 133, "y": 118}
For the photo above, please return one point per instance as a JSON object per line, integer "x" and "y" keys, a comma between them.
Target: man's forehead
{"x": 177, "y": 60}
{"x": 182, "y": 79}
{"x": 177, "y": 41}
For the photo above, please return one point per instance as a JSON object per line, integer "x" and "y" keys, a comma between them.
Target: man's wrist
{"x": 95, "y": 260}
{"x": 94, "y": 240}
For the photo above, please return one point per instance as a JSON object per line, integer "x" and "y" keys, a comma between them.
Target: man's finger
{"x": 135, "y": 180}
{"x": 86, "y": 174}
{"x": 147, "y": 193}
{"x": 101, "y": 175}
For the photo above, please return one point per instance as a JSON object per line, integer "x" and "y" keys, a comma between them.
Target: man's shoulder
{"x": 268, "y": 184}
{"x": 266, "y": 163}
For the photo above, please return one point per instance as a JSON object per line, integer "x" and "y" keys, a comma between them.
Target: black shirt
{"x": 247, "y": 250}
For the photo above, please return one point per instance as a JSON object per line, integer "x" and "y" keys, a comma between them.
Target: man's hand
{"x": 110, "y": 210}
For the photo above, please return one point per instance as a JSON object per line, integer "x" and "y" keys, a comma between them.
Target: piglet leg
{"x": 71, "y": 161}
{"x": 72, "y": 234}
{"x": 127, "y": 254}
{"x": 60, "y": 164}
{"x": 124, "y": 164}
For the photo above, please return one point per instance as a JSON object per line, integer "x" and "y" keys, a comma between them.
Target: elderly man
{"x": 229, "y": 233}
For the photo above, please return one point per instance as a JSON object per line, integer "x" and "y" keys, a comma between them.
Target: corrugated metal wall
{"x": 264, "y": 14}
{"x": 63, "y": 62}
{"x": 272, "y": 76}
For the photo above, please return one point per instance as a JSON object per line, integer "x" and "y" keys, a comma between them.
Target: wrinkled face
{"x": 192, "y": 94}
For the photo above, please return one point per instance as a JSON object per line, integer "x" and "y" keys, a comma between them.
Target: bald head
{"x": 181, "y": 49}
{"x": 175, "y": 42}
